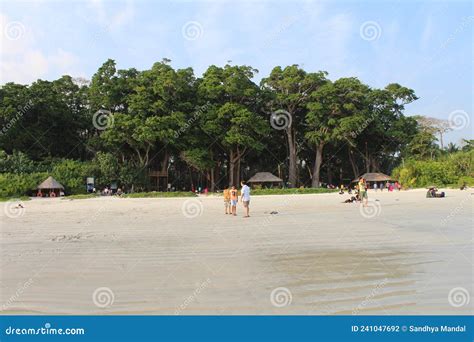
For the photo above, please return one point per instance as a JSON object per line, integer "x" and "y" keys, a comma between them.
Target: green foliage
{"x": 293, "y": 191}
{"x": 453, "y": 169}
{"x": 15, "y": 185}
{"x": 72, "y": 175}
{"x": 213, "y": 130}
{"x": 465, "y": 180}
{"x": 155, "y": 194}
{"x": 18, "y": 163}
{"x": 81, "y": 196}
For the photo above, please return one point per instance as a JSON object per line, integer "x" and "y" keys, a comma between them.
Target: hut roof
{"x": 50, "y": 183}
{"x": 264, "y": 177}
{"x": 374, "y": 177}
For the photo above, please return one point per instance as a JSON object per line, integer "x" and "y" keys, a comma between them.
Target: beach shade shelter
{"x": 50, "y": 187}
{"x": 374, "y": 177}
{"x": 265, "y": 179}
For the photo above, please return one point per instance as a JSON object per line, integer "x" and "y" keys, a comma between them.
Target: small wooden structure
{"x": 158, "y": 179}
{"x": 265, "y": 179}
{"x": 50, "y": 188}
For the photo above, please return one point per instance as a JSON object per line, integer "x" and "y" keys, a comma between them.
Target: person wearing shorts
{"x": 364, "y": 198}
{"x": 227, "y": 207}
{"x": 245, "y": 198}
{"x": 233, "y": 200}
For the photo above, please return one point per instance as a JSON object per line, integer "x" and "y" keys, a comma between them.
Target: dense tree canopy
{"x": 211, "y": 131}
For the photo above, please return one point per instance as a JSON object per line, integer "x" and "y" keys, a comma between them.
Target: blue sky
{"x": 423, "y": 45}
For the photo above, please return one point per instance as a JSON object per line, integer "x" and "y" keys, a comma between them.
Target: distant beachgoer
{"x": 341, "y": 191}
{"x": 375, "y": 186}
{"x": 398, "y": 186}
{"x": 364, "y": 198}
{"x": 233, "y": 200}
{"x": 245, "y": 198}
{"x": 227, "y": 207}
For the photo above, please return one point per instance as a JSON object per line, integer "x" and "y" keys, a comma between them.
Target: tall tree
{"x": 231, "y": 116}
{"x": 291, "y": 88}
{"x": 335, "y": 110}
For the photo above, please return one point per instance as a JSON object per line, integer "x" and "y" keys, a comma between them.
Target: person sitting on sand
{"x": 433, "y": 193}
{"x": 341, "y": 190}
{"x": 351, "y": 200}
{"x": 227, "y": 207}
{"x": 233, "y": 200}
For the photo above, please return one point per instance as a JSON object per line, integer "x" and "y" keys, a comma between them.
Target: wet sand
{"x": 184, "y": 256}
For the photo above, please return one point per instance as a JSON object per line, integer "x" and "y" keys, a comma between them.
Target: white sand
{"x": 154, "y": 260}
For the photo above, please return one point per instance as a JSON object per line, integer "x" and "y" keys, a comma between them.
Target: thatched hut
{"x": 374, "y": 177}
{"x": 50, "y": 188}
{"x": 265, "y": 179}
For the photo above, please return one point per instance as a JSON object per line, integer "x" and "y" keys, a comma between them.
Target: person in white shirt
{"x": 245, "y": 197}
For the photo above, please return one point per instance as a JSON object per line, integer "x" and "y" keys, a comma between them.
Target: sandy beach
{"x": 405, "y": 254}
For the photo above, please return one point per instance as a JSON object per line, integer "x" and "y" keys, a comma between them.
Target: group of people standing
{"x": 231, "y": 198}
{"x": 389, "y": 186}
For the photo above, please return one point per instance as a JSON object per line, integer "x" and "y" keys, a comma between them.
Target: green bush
{"x": 292, "y": 191}
{"x": 469, "y": 181}
{"x": 72, "y": 175}
{"x": 15, "y": 185}
{"x": 444, "y": 171}
{"x": 160, "y": 194}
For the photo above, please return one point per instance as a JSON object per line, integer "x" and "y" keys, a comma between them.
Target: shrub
{"x": 15, "y": 185}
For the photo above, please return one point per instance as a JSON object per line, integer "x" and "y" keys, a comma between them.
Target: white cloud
{"x": 23, "y": 62}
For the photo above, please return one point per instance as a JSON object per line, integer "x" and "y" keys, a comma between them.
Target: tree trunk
{"x": 375, "y": 165}
{"x": 317, "y": 166}
{"x": 292, "y": 158}
{"x": 237, "y": 176}
{"x": 213, "y": 184}
{"x": 355, "y": 169}
{"x": 232, "y": 168}
{"x": 164, "y": 163}
{"x": 329, "y": 173}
